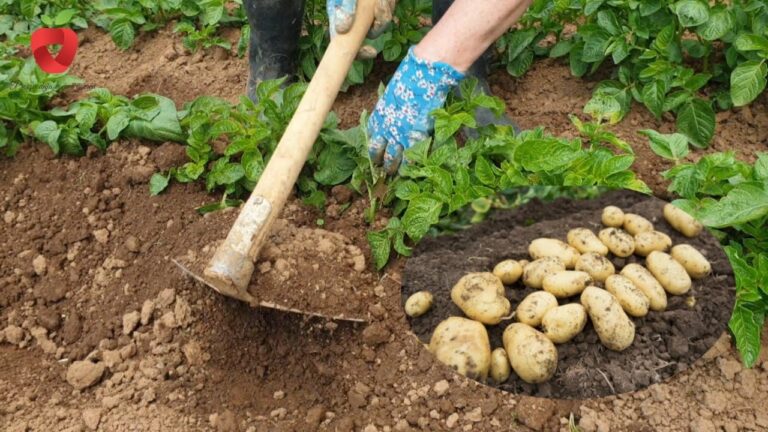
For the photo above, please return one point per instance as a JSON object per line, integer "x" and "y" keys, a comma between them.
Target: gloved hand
{"x": 402, "y": 117}
{"x": 341, "y": 16}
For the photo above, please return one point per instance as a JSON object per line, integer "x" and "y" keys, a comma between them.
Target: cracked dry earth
{"x": 99, "y": 330}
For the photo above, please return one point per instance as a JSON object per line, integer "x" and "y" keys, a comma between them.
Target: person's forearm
{"x": 467, "y": 29}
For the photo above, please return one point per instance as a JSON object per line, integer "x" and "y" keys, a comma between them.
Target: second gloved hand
{"x": 402, "y": 117}
{"x": 341, "y": 16}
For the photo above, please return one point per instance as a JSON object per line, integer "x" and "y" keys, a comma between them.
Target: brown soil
{"x": 665, "y": 342}
{"x": 159, "y": 352}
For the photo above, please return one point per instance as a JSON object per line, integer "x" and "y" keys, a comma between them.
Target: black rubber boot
{"x": 479, "y": 70}
{"x": 274, "y": 46}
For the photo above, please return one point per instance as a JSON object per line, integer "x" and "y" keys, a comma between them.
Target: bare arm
{"x": 467, "y": 29}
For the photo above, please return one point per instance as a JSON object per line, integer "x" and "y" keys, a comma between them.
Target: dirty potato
{"x": 566, "y": 283}
{"x": 682, "y": 221}
{"x": 598, "y": 266}
{"x": 631, "y": 299}
{"x": 532, "y": 356}
{"x": 645, "y": 282}
{"x": 418, "y": 303}
{"x": 549, "y": 247}
{"x": 509, "y": 271}
{"x": 619, "y": 242}
{"x": 614, "y": 328}
{"x": 585, "y": 241}
{"x": 649, "y": 241}
{"x": 535, "y": 272}
{"x": 613, "y": 217}
{"x": 563, "y": 323}
{"x": 692, "y": 260}
{"x": 534, "y": 306}
{"x": 635, "y": 224}
{"x": 500, "y": 368}
{"x": 670, "y": 273}
{"x": 481, "y": 297}
{"x": 462, "y": 344}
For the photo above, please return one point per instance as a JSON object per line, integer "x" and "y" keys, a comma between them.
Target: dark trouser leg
{"x": 274, "y": 45}
{"x": 479, "y": 70}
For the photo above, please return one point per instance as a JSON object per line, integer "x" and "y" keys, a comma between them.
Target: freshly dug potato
{"x": 534, "y": 306}
{"x": 613, "y": 217}
{"x": 619, "y": 242}
{"x": 670, "y": 273}
{"x": 614, "y": 328}
{"x": 692, "y": 260}
{"x": 500, "y": 368}
{"x": 635, "y": 224}
{"x": 418, "y": 303}
{"x": 598, "y": 266}
{"x": 462, "y": 344}
{"x": 645, "y": 282}
{"x": 549, "y": 247}
{"x": 631, "y": 299}
{"x": 682, "y": 221}
{"x": 584, "y": 240}
{"x": 535, "y": 272}
{"x": 563, "y": 323}
{"x": 649, "y": 241}
{"x": 481, "y": 297}
{"x": 509, "y": 271}
{"x": 566, "y": 283}
{"x": 531, "y": 354}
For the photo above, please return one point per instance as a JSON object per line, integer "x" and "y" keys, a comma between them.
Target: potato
{"x": 670, "y": 273}
{"x": 462, "y": 344}
{"x": 534, "y": 306}
{"x": 614, "y": 328}
{"x": 584, "y": 240}
{"x": 635, "y": 224}
{"x": 649, "y": 241}
{"x": 631, "y": 299}
{"x": 619, "y": 242}
{"x": 523, "y": 263}
{"x": 645, "y": 282}
{"x": 613, "y": 217}
{"x": 481, "y": 297}
{"x": 500, "y": 368}
{"x": 535, "y": 272}
{"x": 598, "y": 266}
{"x": 509, "y": 271}
{"x": 692, "y": 260}
{"x": 549, "y": 247}
{"x": 682, "y": 221}
{"x": 566, "y": 283}
{"x": 563, "y": 323}
{"x": 418, "y": 303}
{"x": 531, "y": 354}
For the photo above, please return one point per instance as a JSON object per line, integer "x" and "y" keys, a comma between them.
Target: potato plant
{"x": 666, "y": 55}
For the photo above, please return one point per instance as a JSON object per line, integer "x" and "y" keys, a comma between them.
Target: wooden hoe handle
{"x": 231, "y": 267}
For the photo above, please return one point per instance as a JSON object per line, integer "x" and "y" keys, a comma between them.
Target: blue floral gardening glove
{"x": 402, "y": 114}
{"x": 341, "y": 16}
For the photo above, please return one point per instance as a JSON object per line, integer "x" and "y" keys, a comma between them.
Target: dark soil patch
{"x": 666, "y": 342}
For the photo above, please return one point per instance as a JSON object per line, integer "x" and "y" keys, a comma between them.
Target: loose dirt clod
{"x": 130, "y": 321}
{"x": 83, "y": 374}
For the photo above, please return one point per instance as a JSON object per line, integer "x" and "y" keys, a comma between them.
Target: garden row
{"x": 229, "y": 144}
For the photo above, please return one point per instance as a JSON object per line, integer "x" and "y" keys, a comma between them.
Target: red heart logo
{"x": 42, "y": 38}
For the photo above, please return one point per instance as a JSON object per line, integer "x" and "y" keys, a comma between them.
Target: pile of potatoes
{"x": 560, "y": 271}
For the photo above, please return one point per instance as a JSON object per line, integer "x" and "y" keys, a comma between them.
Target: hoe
{"x": 230, "y": 269}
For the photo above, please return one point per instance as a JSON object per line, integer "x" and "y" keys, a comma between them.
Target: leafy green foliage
{"x": 393, "y": 43}
{"x": 667, "y": 52}
{"x": 731, "y": 197}
{"x": 18, "y": 18}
